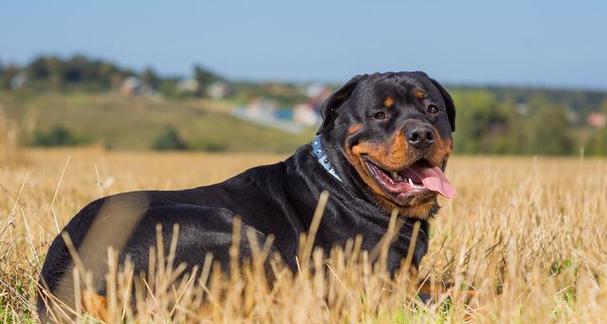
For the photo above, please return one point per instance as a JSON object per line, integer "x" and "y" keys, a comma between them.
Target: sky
{"x": 528, "y": 43}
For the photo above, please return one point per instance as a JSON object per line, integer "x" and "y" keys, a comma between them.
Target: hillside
{"x": 119, "y": 122}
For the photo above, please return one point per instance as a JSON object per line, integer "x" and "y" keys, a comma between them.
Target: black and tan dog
{"x": 383, "y": 145}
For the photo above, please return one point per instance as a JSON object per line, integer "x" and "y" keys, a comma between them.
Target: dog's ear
{"x": 448, "y": 101}
{"x": 328, "y": 109}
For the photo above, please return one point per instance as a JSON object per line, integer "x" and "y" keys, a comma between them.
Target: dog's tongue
{"x": 434, "y": 179}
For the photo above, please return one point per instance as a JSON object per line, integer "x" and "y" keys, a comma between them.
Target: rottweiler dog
{"x": 383, "y": 145}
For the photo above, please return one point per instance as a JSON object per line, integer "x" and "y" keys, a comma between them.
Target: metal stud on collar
{"x": 322, "y": 157}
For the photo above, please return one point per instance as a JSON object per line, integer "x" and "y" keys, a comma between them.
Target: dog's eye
{"x": 432, "y": 109}
{"x": 380, "y": 115}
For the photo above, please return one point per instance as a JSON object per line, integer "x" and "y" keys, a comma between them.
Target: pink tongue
{"x": 434, "y": 179}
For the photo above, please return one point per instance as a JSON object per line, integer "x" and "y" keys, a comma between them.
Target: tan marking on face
{"x": 354, "y": 129}
{"x": 441, "y": 149}
{"x": 388, "y": 102}
{"x": 420, "y": 94}
{"x": 392, "y": 155}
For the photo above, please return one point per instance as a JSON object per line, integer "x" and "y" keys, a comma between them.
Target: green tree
{"x": 7, "y": 75}
{"x": 204, "y": 77}
{"x": 479, "y": 121}
{"x": 168, "y": 87}
{"x": 150, "y": 78}
{"x": 45, "y": 73}
{"x": 58, "y": 136}
{"x": 550, "y": 129}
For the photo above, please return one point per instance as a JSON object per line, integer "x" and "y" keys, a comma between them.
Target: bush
{"x": 209, "y": 145}
{"x": 170, "y": 140}
{"x": 58, "y": 136}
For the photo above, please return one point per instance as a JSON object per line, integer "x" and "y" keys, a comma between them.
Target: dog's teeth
{"x": 396, "y": 176}
{"x": 411, "y": 183}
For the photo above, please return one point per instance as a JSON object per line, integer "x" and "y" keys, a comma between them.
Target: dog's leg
{"x": 95, "y": 305}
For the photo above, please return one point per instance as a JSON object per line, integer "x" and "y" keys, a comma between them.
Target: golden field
{"x": 528, "y": 235}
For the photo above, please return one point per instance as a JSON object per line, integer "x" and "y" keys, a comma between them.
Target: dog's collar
{"x": 321, "y": 156}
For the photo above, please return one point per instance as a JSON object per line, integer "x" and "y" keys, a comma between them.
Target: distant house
{"x": 316, "y": 90}
{"x": 19, "y": 81}
{"x": 188, "y": 86}
{"x": 261, "y": 108}
{"x": 130, "y": 86}
{"x": 133, "y": 86}
{"x": 218, "y": 90}
{"x": 265, "y": 112}
{"x": 317, "y": 93}
{"x": 596, "y": 119}
{"x": 305, "y": 114}
{"x": 572, "y": 116}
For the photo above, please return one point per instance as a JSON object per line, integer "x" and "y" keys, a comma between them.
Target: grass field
{"x": 528, "y": 234}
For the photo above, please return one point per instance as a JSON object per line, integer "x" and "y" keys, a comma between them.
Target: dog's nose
{"x": 420, "y": 136}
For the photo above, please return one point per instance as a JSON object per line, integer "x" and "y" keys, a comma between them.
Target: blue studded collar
{"x": 321, "y": 156}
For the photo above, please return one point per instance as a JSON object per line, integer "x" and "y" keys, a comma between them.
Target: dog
{"x": 383, "y": 146}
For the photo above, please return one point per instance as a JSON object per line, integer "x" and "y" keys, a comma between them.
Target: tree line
{"x": 539, "y": 125}
{"x": 82, "y": 73}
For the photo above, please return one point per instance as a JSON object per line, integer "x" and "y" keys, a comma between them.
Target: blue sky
{"x": 539, "y": 43}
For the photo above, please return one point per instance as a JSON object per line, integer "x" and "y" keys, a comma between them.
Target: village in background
{"x": 491, "y": 119}
{"x": 291, "y": 115}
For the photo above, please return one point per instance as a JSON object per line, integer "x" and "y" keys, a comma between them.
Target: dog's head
{"x": 391, "y": 135}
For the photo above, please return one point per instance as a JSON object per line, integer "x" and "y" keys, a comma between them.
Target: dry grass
{"x": 527, "y": 234}
{"x": 9, "y": 130}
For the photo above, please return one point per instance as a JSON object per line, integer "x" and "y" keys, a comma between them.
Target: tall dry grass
{"x": 9, "y": 152}
{"x": 527, "y": 234}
